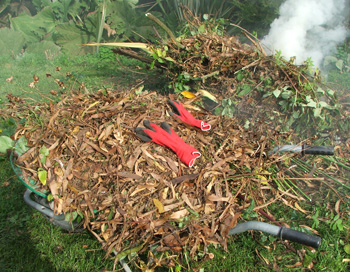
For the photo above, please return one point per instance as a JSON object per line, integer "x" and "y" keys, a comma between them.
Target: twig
{"x": 162, "y": 25}
{"x": 269, "y": 203}
{"x": 232, "y": 200}
{"x": 296, "y": 89}
{"x": 133, "y": 54}
{"x": 262, "y": 212}
{"x": 122, "y": 262}
{"x": 247, "y": 66}
{"x": 256, "y": 43}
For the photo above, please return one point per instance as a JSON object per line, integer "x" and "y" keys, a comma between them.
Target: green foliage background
{"x": 72, "y": 23}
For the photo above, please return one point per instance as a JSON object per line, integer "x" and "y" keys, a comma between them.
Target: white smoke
{"x": 308, "y": 28}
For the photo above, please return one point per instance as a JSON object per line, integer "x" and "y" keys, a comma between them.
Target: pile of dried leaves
{"x": 243, "y": 73}
{"x": 223, "y": 62}
{"x": 133, "y": 194}
{"x": 209, "y": 56}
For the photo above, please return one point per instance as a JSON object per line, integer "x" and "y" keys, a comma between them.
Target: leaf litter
{"x": 129, "y": 191}
{"x": 134, "y": 195}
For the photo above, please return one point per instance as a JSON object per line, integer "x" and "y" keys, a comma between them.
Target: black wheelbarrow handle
{"x": 282, "y": 232}
{"x": 40, "y": 208}
{"x": 57, "y": 220}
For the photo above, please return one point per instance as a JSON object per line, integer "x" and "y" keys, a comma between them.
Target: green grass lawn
{"x": 101, "y": 71}
{"x": 28, "y": 242}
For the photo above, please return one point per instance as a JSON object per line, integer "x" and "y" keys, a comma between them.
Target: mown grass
{"x": 102, "y": 71}
{"x": 28, "y": 242}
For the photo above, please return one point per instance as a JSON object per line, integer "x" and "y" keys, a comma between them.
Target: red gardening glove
{"x": 181, "y": 113}
{"x": 165, "y": 136}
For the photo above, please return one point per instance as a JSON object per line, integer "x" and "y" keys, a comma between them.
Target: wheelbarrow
{"x": 38, "y": 200}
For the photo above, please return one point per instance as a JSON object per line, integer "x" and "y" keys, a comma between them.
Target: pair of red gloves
{"x": 165, "y": 135}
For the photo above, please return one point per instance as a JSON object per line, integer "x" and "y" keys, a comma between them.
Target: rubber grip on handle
{"x": 300, "y": 237}
{"x": 318, "y": 150}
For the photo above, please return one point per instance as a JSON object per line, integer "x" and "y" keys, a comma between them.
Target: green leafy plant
{"x": 208, "y": 25}
{"x": 45, "y": 49}
{"x": 44, "y": 152}
{"x": 11, "y": 42}
{"x": 12, "y": 8}
{"x": 42, "y": 175}
{"x": 66, "y": 10}
{"x": 338, "y": 63}
{"x": 336, "y": 223}
{"x": 347, "y": 248}
{"x": 249, "y": 213}
{"x": 316, "y": 220}
{"x": 8, "y": 126}
{"x": 5, "y": 143}
{"x": 70, "y": 38}
{"x": 72, "y": 23}
{"x": 340, "y": 60}
{"x": 34, "y": 28}
{"x": 181, "y": 83}
{"x": 76, "y": 216}
{"x": 304, "y": 98}
{"x": 21, "y": 146}
{"x": 227, "y": 108}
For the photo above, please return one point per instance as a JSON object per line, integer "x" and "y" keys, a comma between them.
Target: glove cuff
{"x": 181, "y": 113}
{"x": 205, "y": 126}
{"x": 188, "y": 154}
{"x": 192, "y": 161}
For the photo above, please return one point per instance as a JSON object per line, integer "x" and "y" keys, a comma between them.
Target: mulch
{"x": 132, "y": 193}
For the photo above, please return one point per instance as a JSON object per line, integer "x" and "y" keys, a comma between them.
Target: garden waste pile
{"x": 83, "y": 152}
{"x": 133, "y": 194}
{"x": 242, "y": 79}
